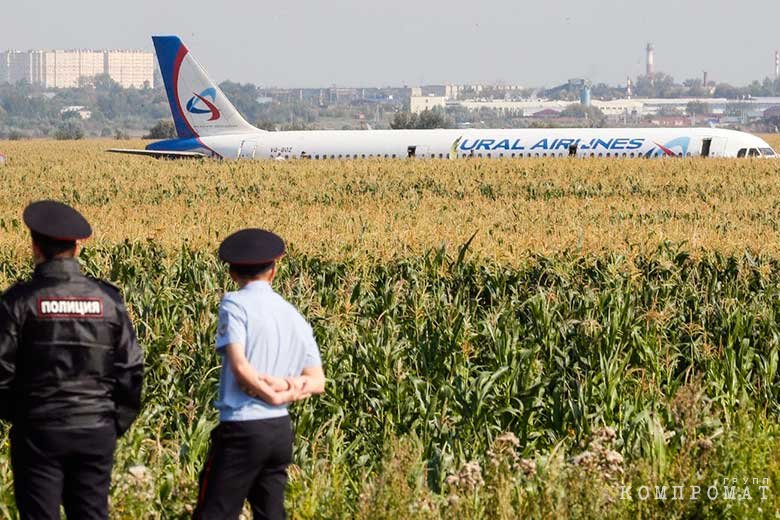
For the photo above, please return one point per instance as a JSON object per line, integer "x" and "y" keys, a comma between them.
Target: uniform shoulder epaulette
{"x": 15, "y": 289}
{"x": 107, "y": 284}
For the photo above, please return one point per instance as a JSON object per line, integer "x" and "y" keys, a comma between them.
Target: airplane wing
{"x": 159, "y": 154}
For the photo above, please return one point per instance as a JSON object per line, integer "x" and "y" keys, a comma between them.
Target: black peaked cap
{"x": 251, "y": 247}
{"x": 56, "y": 220}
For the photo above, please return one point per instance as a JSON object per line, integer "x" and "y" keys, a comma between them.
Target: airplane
{"x": 208, "y": 125}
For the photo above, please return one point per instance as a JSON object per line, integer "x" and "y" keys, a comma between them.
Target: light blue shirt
{"x": 277, "y": 341}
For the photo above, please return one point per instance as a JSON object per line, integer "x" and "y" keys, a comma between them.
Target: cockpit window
{"x": 742, "y": 152}
{"x": 767, "y": 152}
{"x": 753, "y": 152}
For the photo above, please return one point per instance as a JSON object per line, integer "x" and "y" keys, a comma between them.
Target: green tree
{"x": 604, "y": 91}
{"x": 727, "y": 91}
{"x": 70, "y": 114}
{"x": 697, "y": 108}
{"x": 164, "y": 129}
{"x": 427, "y": 119}
{"x": 105, "y": 83}
{"x": 403, "y": 120}
{"x": 695, "y": 88}
{"x": 576, "y": 110}
{"x": 657, "y": 85}
{"x": 593, "y": 115}
{"x": 267, "y": 125}
{"x": 69, "y": 130}
{"x": 244, "y": 98}
{"x": 295, "y": 126}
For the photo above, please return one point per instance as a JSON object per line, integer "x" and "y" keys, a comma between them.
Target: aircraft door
{"x": 706, "y": 144}
{"x": 247, "y": 149}
{"x": 718, "y": 147}
{"x": 417, "y": 151}
{"x": 713, "y": 147}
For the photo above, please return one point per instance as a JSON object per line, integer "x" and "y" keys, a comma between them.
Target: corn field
{"x": 395, "y": 209}
{"x": 527, "y": 339}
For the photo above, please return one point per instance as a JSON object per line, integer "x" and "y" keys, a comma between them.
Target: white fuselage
{"x": 207, "y": 124}
{"x": 519, "y": 143}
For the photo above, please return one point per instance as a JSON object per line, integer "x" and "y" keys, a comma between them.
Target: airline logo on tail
{"x": 198, "y": 107}
{"x": 207, "y": 98}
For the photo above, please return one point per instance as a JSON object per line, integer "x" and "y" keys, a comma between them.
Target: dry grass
{"x": 773, "y": 140}
{"x": 390, "y": 208}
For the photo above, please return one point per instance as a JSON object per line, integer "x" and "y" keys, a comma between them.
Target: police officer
{"x": 70, "y": 373}
{"x": 269, "y": 359}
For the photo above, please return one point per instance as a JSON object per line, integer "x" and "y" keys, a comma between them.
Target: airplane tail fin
{"x": 198, "y": 106}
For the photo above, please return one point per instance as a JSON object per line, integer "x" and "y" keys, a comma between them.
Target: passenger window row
{"x": 752, "y": 152}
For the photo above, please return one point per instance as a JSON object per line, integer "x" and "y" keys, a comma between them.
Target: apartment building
{"x": 68, "y": 69}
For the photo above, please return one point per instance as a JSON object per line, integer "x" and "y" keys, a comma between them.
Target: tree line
{"x": 30, "y": 111}
{"x": 662, "y": 85}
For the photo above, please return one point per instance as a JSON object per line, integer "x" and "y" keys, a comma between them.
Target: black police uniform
{"x": 71, "y": 373}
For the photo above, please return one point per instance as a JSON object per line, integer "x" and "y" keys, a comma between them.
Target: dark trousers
{"x": 246, "y": 460}
{"x": 70, "y": 467}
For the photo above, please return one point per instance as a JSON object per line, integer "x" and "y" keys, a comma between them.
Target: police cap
{"x": 251, "y": 247}
{"x": 56, "y": 220}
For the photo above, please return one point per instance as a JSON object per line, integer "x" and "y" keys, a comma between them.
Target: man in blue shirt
{"x": 269, "y": 359}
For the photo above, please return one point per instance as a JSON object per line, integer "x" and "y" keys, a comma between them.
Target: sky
{"x": 316, "y": 43}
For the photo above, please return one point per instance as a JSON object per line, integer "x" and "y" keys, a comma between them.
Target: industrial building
{"x": 619, "y": 111}
{"x": 68, "y": 68}
{"x": 419, "y": 104}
